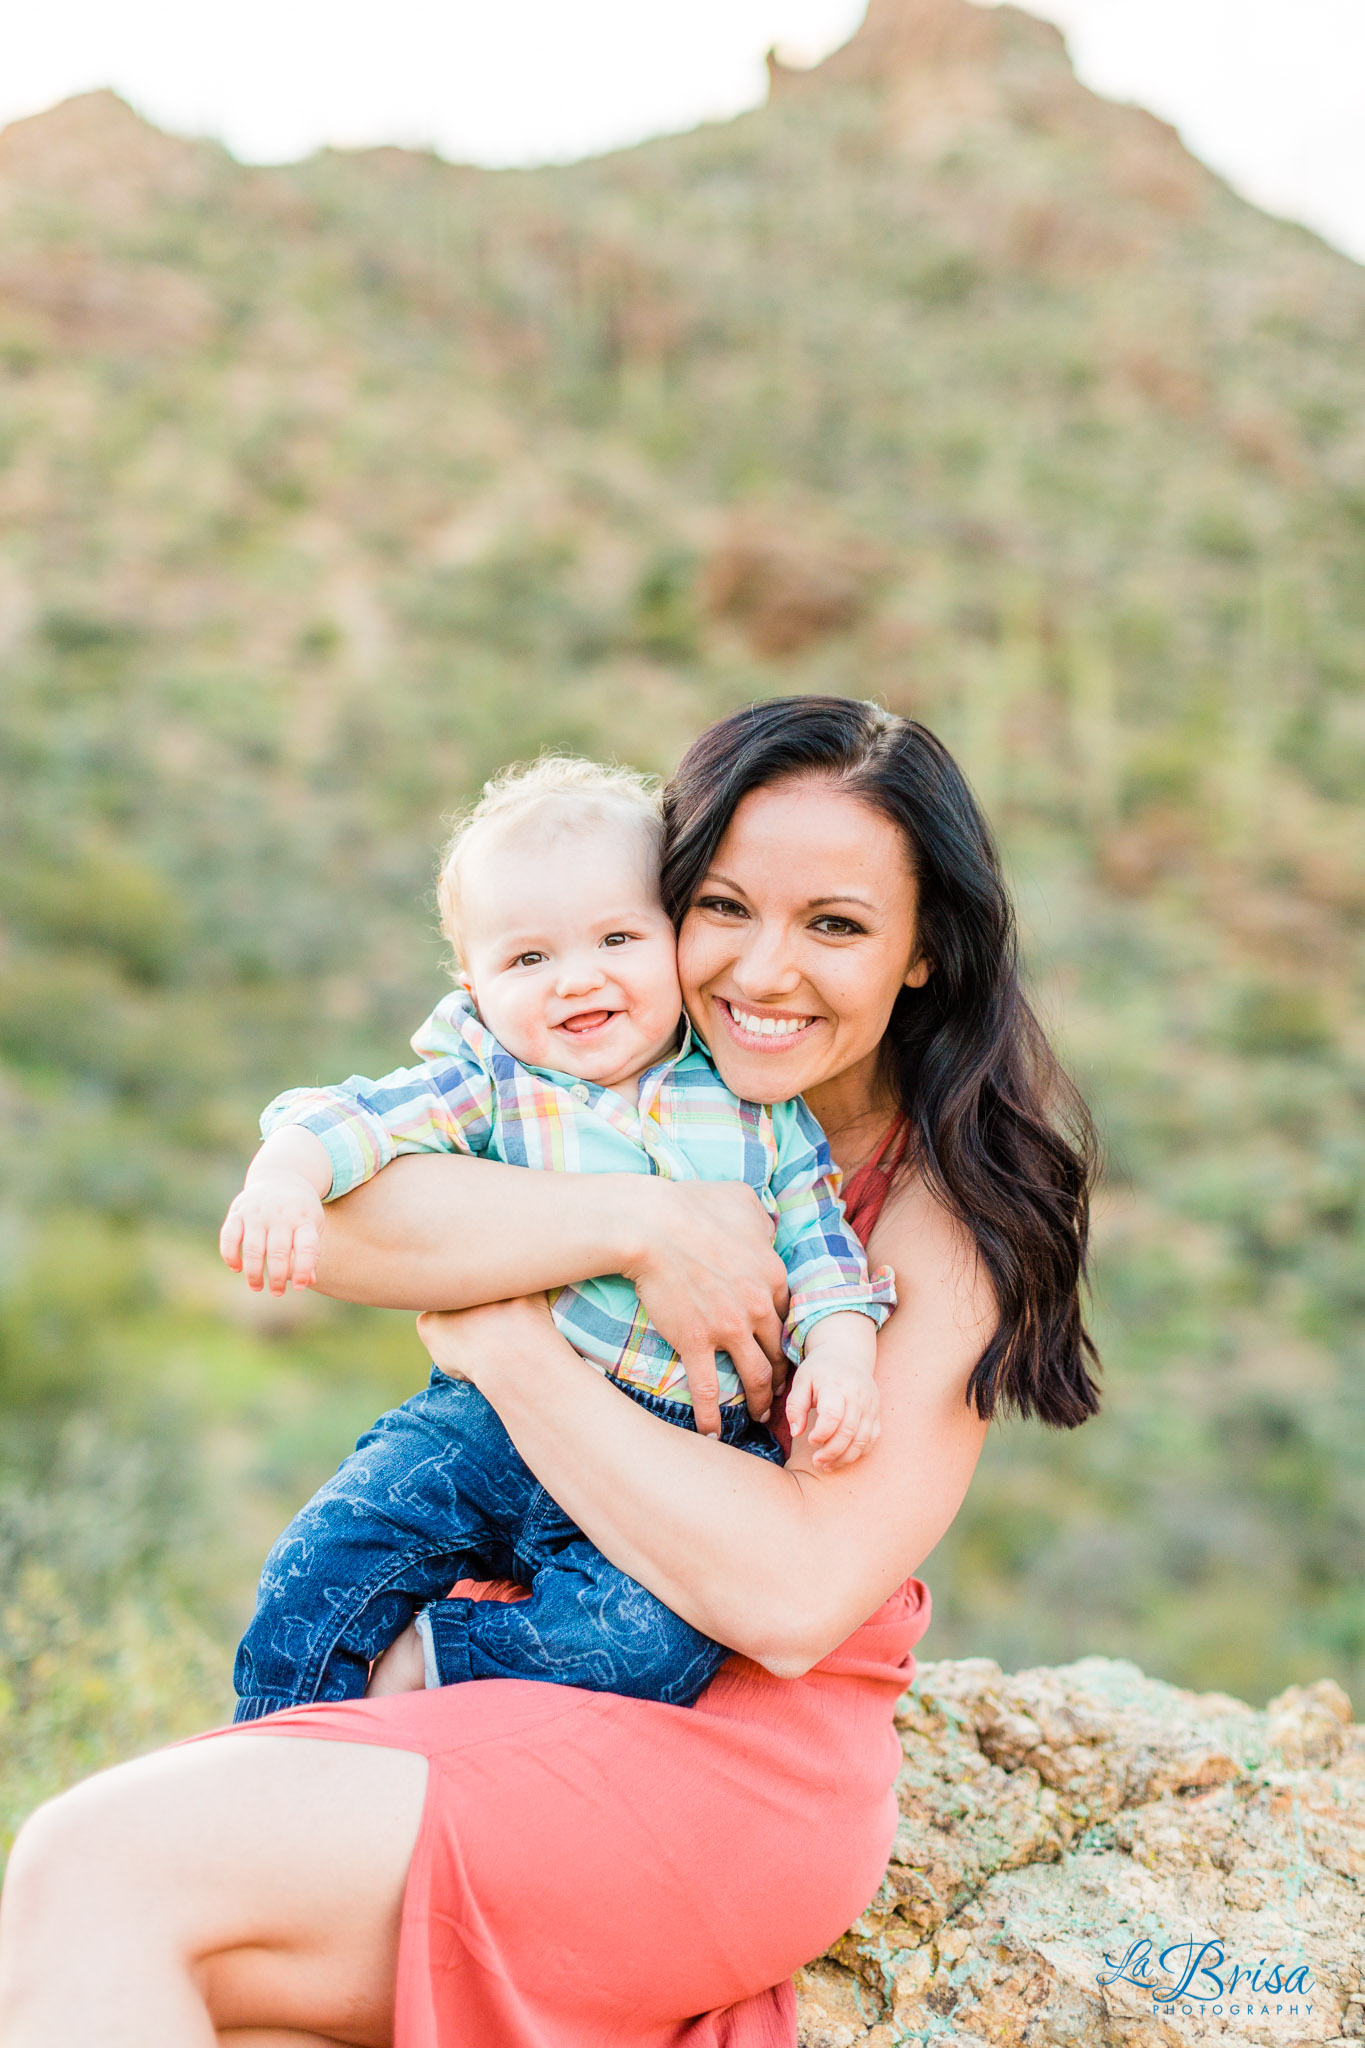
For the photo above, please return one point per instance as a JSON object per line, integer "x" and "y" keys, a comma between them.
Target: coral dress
{"x": 600, "y": 1872}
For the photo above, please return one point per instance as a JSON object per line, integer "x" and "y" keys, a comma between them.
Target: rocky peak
{"x": 95, "y": 154}
{"x": 944, "y": 70}
{"x": 901, "y": 39}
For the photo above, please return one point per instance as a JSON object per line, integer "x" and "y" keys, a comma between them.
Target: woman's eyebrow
{"x": 815, "y": 903}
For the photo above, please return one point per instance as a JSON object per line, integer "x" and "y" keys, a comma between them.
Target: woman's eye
{"x": 838, "y": 927}
{"x": 722, "y": 906}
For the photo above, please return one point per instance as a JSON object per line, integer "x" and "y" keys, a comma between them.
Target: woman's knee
{"x": 215, "y": 1845}
{"x": 110, "y": 1852}
{"x": 65, "y": 1852}
{"x": 33, "y": 1874}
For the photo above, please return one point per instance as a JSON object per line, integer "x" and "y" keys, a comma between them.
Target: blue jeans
{"x": 436, "y": 1492}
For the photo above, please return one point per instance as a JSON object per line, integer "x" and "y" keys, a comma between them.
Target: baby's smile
{"x": 586, "y": 1021}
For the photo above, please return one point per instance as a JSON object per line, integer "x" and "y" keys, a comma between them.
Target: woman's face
{"x": 799, "y": 939}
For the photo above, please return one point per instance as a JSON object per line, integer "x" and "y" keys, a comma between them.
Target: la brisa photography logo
{"x": 1197, "y": 1975}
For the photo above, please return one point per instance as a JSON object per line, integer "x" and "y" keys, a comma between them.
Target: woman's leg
{"x": 246, "y": 1890}
{"x": 275, "y": 2037}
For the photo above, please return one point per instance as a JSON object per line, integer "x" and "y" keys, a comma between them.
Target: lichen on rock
{"x": 1051, "y": 1820}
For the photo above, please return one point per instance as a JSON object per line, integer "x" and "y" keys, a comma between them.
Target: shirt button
{"x": 580, "y": 1091}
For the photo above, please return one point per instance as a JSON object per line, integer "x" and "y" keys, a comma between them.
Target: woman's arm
{"x": 781, "y": 1564}
{"x": 446, "y": 1231}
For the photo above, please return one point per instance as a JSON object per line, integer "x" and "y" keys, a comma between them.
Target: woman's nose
{"x": 765, "y": 968}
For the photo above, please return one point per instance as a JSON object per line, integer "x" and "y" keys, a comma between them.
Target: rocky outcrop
{"x": 95, "y": 155}
{"x": 1060, "y": 1828}
{"x": 901, "y": 38}
{"x": 949, "y": 72}
{"x": 89, "y": 171}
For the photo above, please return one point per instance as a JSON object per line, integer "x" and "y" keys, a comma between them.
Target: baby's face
{"x": 563, "y": 937}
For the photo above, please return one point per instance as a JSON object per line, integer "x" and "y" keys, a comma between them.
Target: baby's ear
{"x": 465, "y": 985}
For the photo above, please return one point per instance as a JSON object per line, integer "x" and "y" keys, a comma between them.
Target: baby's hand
{"x": 273, "y": 1229}
{"x": 834, "y": 1384}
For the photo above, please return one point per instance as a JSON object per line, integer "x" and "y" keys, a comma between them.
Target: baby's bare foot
{"x": 400, "y": 1668}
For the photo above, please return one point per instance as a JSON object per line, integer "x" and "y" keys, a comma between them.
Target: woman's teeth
{"x": 767, "y": 1027}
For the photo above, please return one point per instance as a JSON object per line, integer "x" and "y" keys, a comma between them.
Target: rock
{"x": 1059, "y": 1826}
{"x": 95, "y": 152}
{"x": 945, "y": 71}
{"x": 1308, "y": 1724}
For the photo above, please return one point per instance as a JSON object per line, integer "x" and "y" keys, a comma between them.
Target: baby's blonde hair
{"x": 585, "y": 790}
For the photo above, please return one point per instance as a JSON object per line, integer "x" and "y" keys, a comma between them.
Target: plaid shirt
{"x": 470, "y": 1095}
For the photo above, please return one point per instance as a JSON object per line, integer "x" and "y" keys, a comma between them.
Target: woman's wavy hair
{"x": 997, "y": 1129}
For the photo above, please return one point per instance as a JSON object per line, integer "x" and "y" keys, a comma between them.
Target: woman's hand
{"x": 776, "y": 1561}
{"x": 462, "y": 1340}
{"x": 707, "y": 1277}
{"x": 709, "y": 1280}
{"x": 449, "y": 1230}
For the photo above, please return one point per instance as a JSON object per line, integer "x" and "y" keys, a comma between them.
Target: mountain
{"x": 326, "y": 488}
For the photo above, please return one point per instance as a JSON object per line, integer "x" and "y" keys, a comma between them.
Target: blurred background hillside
{"x": 326, "y": 489}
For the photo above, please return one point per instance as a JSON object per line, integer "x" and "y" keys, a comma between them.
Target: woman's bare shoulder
{"x": 939, "y": 1271}
{"x": 875, "y": 1521}
{"x": 944, "y": 1318}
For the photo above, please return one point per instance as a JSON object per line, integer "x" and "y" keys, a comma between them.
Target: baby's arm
{"x": 836, "y": 1307}
{"x": 274, "y": 1226}
{"x": 322, "y": 1142}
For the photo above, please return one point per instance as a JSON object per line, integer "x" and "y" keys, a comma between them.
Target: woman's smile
{"x": 763, "y": 1030}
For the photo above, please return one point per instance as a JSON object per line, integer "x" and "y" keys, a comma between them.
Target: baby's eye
{"x": 618, "y": 938}
{"x": 528, "y": 959}
{"x": 723, "y": 906}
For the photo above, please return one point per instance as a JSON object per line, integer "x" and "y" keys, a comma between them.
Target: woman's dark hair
{"x": 997, "y": 1129}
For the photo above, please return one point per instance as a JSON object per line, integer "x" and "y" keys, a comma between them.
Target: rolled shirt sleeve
{"x": 444, "y": 1105}
{"x": 826, "y": 1265}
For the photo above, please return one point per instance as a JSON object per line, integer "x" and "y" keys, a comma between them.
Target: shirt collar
{"x": 689, "y": 1042}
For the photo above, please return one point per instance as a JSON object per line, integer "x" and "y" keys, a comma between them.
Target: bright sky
{"x": 1271, "y": 92}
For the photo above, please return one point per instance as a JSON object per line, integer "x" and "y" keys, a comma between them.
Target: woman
{"x": 515, "y": 1864}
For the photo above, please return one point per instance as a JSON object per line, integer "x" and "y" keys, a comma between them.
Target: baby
{"x": 565, "y": 1048}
